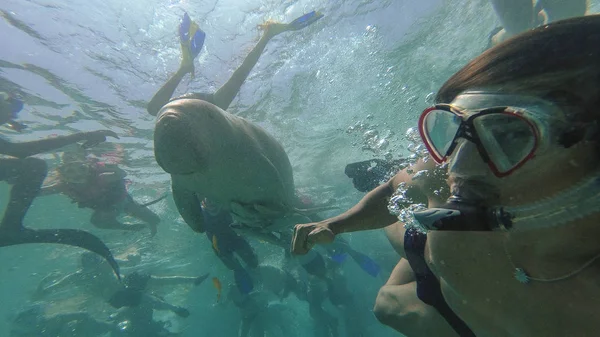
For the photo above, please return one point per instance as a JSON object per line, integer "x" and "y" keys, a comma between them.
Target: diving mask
{"x": 507, "y": 130}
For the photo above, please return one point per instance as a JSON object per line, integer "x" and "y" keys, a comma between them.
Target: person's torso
{"x": 478, "y": 282}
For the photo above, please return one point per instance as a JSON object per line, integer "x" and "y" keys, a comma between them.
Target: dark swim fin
{"x": 368, "y": 174}
{"x": 150, "y": 203}
{"x": 305, "y": 20}
{"x": 71, "y": 237}
{"x": 367, "y": 264}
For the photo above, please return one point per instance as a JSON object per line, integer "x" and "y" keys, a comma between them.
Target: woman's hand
{"x": 307, "y": 235}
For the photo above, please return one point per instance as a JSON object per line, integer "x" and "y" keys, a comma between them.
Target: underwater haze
{"x": 342, "y": 90}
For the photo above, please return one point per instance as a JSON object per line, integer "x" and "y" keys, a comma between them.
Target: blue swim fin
{"x": 305, "y": 20}
{"x": 339, "y": 258}
{"x": 184, "y": 28}
{"x": 243, "y": 281}
{"x": 191, "y": 38}
{"x": 368, "y": 265}
{"x": 197, "y": 42}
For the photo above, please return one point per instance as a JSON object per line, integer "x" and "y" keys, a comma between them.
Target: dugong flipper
{"x": 215, "y": 155}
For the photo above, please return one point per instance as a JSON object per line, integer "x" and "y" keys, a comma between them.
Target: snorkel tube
{"x": 461, "y": 214}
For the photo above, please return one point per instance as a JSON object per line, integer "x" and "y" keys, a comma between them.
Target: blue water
{"x": 86, "y": 65}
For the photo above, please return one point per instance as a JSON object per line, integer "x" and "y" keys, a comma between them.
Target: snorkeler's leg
{"x": 143, "y": 213}
{"x": 245, "y": 251}
{"x": 225, "y": 95}
{"x": 398, "y": 307}
{"x": 561, "y": 9}
{"x": 108, "y": 220}
{"x": 516, "y": 16}
{"x": 26, "y": 177}
{"x": 164, "y": 94}
{"x": 159, "y": 281}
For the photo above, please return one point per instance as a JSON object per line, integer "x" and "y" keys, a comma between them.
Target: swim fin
{"x": 191, "y": 38}
{"x": 149, "y": 203}
{"x": 305, "y": 20}
{"x": 71, "y": 237}
{"x": 339, "y": 258}
{"x": 368, "y": 174}
{"x": 367, "y": 264}
{"x": 243, "y": 280}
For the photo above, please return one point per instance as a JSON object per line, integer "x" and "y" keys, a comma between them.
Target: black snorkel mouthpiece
{"x": 458, "y": 214}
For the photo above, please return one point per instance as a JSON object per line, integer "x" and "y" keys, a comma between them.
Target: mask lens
{"x": 439, "y": 130}
{"x": 508, "y": 139}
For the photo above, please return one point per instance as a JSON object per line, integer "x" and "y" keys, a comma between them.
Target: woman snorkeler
{"x": 515, "y": 250}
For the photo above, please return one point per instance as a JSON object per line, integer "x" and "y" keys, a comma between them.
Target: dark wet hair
{"x": 559, "y": 62}
{"x": 559, "y": 57}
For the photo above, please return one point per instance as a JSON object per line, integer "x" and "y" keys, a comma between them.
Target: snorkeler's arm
{"x": 164, "y": 94}
{"x": 26, "y": 149}
{"x": 516, "y": 16}
{"x": 158, "y": 304}
{"x": 369, "y": 213}
{"x": 225, "y": 95}
{"x": 189, "y": 207}
{"x": 157, "y": 281}
{"x": 372, "y": 211}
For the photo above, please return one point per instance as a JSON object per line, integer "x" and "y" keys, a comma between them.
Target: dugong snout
{"x": 176, "y": 149}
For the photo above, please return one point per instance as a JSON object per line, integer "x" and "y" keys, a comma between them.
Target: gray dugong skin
{"x": 213, "y": 154}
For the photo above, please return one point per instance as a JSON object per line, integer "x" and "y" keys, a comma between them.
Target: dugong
{"x": 235, "y": 164}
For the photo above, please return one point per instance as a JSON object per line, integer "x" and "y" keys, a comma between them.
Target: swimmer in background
{"x": 95, "y": 279}
{"x": 521, "y": 225}
{"x": 135, "y": 316}
{"x": 518, "y": 16}
{"x": 101, "y": 187}
{"x": 34, "y": 321}
{"x": 26, "y": 174}
{"x": 226, "y": 242}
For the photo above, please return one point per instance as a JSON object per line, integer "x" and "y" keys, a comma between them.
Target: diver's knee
{"x": 385, "y": 311}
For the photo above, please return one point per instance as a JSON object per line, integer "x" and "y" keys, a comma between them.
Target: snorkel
{"x": 461, "y": 214}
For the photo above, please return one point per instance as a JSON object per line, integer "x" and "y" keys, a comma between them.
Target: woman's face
{"x": 552, "y": 169}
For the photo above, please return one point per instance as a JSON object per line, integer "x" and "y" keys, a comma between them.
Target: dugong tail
{"x": 71, "y": 237}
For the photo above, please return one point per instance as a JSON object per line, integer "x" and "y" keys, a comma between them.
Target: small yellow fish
{"x": 217, "y": 285}
{"x": 215, "y": 244}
